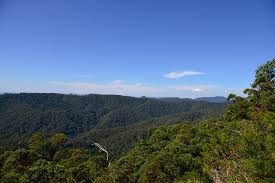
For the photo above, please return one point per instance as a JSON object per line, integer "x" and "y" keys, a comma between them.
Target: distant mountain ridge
{"x": 217, "y": 99}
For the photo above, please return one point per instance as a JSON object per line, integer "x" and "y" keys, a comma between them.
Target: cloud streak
{"x": 181, "y": 74}
{"x": 121, "y": 87}
{"x": 193, "y": 88}
{"x": 118, "y": 87}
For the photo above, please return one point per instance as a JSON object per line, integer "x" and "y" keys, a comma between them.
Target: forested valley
{"x": 47, "y": 137}
{"x": 106, "y": 119}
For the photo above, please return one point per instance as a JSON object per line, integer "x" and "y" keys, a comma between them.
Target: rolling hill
{"x": 99, "y": 117}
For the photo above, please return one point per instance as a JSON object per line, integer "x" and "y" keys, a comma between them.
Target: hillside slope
{"x": 26, "y": 113}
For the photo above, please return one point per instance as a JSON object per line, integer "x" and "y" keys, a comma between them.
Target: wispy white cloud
{"x": 193, "y": 88}
{"x": 119, "y": 87}
{"x": 180, "y": 74}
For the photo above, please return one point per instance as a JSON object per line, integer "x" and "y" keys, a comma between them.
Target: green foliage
{"x": 102, "y": 118}
{"x": 44, "y": 171}
{"x": 37, "y": 143}
{"x": 235, "y": 151}
{"x": 49, "y": 160}
{"x": 260, "y": 97}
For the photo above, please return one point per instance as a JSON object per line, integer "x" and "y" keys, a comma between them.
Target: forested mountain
{"x": 239, "y": 146}
{"x": 103, "y": 118}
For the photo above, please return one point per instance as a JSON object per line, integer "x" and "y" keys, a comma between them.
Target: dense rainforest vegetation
{"x": 239, "y": 146}
{"x": 106, "y": 119}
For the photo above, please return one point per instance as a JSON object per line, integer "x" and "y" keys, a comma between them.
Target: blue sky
{"x": 160, "y": 48}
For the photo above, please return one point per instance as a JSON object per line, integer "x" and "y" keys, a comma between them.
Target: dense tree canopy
{"x": 102, "y": 118}
{"x": 48, "y": 160}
